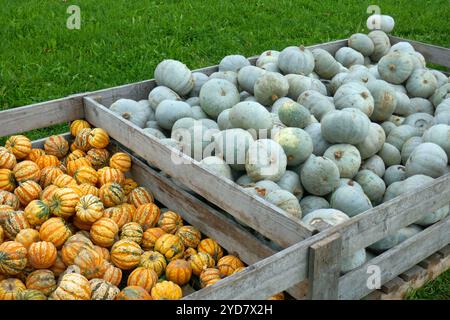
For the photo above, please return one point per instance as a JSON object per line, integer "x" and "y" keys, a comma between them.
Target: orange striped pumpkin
{"x": 142, "y": 277}
{"x": 73, "y": 147}
{"x": 104, "y": 252}
{"x": 19, "y": 145}
{"x": 170, "y": 222}
{"x": 27, "y": 237}
{"x": 7, "y": 159}
{"x": 42, "y": 254}
{"x": 64, "y": 180}
{"x": 239, "y": 270}
{"x": 5, "y": 211}
{"x": 166, "y": 290}
{"x": 110, "y": 175}
{"x": 228, "y": 264}
{"x": 120, "y": 161}
{"x": 35, "y": 154}
{"x": 55, "y": 230}
{"x": 98, "y": 157}
{"x": 37, "y": 212}
{"x": 147, "y": 215}
{"x": 41, "y": 280}
{"x": 47, "y": 160}
{"x": 27, "y": 170}
{"x": 140, "y": 196}
{"x": 129, "y": 185}
{"x": 48, "y": 193}
{"x": 112, "y": 274}
{"x": 150, "y": 236}
{"x": 86, "y": 226}
{"x": 56, "y": 146}
{"x": 86, "y": 175}
{"x": 48, "y": 175}
{"x": 89, "y": 209}
{"x": 15, "y": 221}
{"x": 13, "y": 257}
{"x": 87, "y": 188}
{"x": 200, "y": 261}
{"x": 188, "y": 253}
{"x": 120, "y": 214}
{"x": 179, "y": 271}
{"x": 103, "y": 232}
{"x": 10, "y": 289}
{"x": 27, "y": 192}
{"x": 2, "y": 234}
{"x": 90, "y": 263}
{"x": 78, "y": 125}
{"x": 211, "y": 247}
{"x": 7, "y": 180}
{"x": 72, "y": 166}
{"x": 153, "y": 260}
{"x": 170, "y": 246}
{"x": 63, "y": 203}
{"x": 9, "y": 199}
{"x": 59, "y": 266}
{"x": 132, "y": 231}
{"x": 73, "y": 286}
{"x": 133, "y": 293}
{"x": 126, "y": 254}
{"x": 72, "y": 248}
{"x": 76, "y": 189}
{"x": 111, "y": 194}
{"x": 209, "y": 276}
{"x": 98, "y": 138}
{"x": 190, "y": 236}
{"x": 76, "y": 154}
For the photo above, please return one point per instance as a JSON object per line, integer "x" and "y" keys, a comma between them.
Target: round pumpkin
{"x": 147, "y": 215}
{"x": 87, "y": 188}
{"x": 98, "y": 138}
{"x": 73, "y": 286}
{"x": 103, "y": 290}
{"x": 90, "y": 263}
{"x": 98, "y": 157}
{"x": 56, "y": 146}
{"x": 120, "y": 161}
{"x": 111, "y": 194}
{"x": 7, "y": 180}
{"x": 19, "y": 145}
{"x": 209, "y": 276}
{"x": 121, "y": 214}
{"x": 201, "y": 261}
{"x": 27, "y": 170}
{"x": 89, "y": 209}
{"x": 189, "y": 235}
{"x": 47, "y": 160}
{"x": 170, "y": 222}
{"x": 170, "y": 246}
{"x": 133, "y": 293}
{"x": 59, "y": 266}
{"x": 55, "y": 230}
{"x": 132, "y": 231}
{"x": 9, "y": 199}
{"x": 153, "y": 260}
{"x": 126, "y": 254}
{"x": 227, "y": 265}
{"x": 48, "y": 175}
{"x": 82, "y": 140}
{"x": 188, "y": 253}
{"x": 166, "y": 290}
{"x": 211, "y": 247}
{"x": 78, "y": 125}
{"x": 86, "y": 174}
{"x": 27, "y": 192}
{"x": 42, "y": 254}
{"x": 41, "y": 280}
{"x": 150, "y": 236}
{"x": 74, "y": 165}
{"x": 129, "y": 185}
{"x": 73, "y": 246}
{"x": 103, "y": 232}
{"x": 48, "y": 193}
{"x": 143, "y": 277}
{"x": 140, "y": 196}
{"x": 27, "y": 237}
{"x": 64, "y": 180}
{"x": 7, "y": 159}
{"x": 110, "y": 175}
{"x": 15, "y": 221}
{"x": 13, "y": 257}
{"x": 35, "y": 154}
{"x": 76, "y": 154}
{"x": 64, "y": 202}
{"x": 112, "y": 275}
{"x": 2, "y": 235}
{"x": 85, "y": 226}
{"x": 179, "y": 271}
{"x": 11, "y": 288}
{"x": 31, "y": 294}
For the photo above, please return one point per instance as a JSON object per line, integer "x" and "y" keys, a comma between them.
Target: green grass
{"x": 122, "y": 41}
{"x": 438, "y": 289}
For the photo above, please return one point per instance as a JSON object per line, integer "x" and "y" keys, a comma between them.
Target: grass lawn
{"x": 122, "y": 41}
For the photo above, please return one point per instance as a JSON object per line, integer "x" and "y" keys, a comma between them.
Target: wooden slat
{"x": 41, "y": 115}
{"x": 324, "y": 268}
{"x": 396, "y": 260}
{"x": 431, "y": 53}
{"x": 258, "y": 214}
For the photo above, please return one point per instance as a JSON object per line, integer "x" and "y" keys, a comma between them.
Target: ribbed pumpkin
{"x": 64, "y": 202}
{"x": 110, "y": 175}
{"x": 103, "y": 290}
{"x": 143, "y": 277}
{"x": 74, "y": 165}
{"x": 9, "y": 199}
{"x": 112, "y": 275}
{"x": 166, "y": 290}
{"x": 78, "y": 125}
{"x": 59, "y": 266}
{"x": 86, "y": 174}
{"x": 98, "y": 157}
{"x": 140, "y": 196}
{"x": 211, "y": 247}
{"x": 150, "y": 236}
{"x": 120, "y": 161}
{"x": 27, "y": 192}
{"x": 179, "y": 271}
{"x": 170, "y": 222}
{"x": 82, "y": 139}
{"x": 31, "y": 294}
{"x": 15, "y": 221}
{"x": 111, "y": 194}
{"x": 47, "y": 160}
{"x": 56, "y": 146}
{"x": 42, "y": 254}
{"x": 13, "y": 257}
{"x": 2, "y": 235}
{"x": 153, "y": 260}
{"x": 72, "y": 248}
{"x": 103, "y": 232}
{"x": 73, "y": 286}
{"x": 170, "y": 246}
{"x": 55, "y": 230}
{"x": 121, "y": 214}
{"x": 7, "y": 159}
{"x": 228, "y": 264}
{"x": 27, "y": 170}
{"x": 129, "y": 185}
{"x": 133, "y": 293}
{"x": 48, "y": 175}
{"x": 209, "y": 276}
{"x": 104, "y": 252}
{"x": 35, "y": 154}
{"x": 239, "y": 270}
{"x": 98, "y": 138}
{"x": 126, "y": 254}
{"x": 11, "y": 288}
{"x": 132, "y": 231}
{"x": 76, "y": 189}
{"x": 90, "y": 263}
{"x": 76, "y": 154}
{"x": 64, "y": 180}
{"x": 87, "y": 188}
{"x": 27, "y": 237}
{"x": 188, "y": 253}
{"x": 189, "y": 235}
{"x": 7, "y": 180}
{"x": 89, "y": 209}
{"x": 201, "y": 261}
{"x": 19, "y": 145}
{"x": 85, "y": 226}
{"x": 147, "y": 215}
{"x": 42, "y": 280}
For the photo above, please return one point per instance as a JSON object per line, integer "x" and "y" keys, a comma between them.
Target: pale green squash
{"x": 232, "y": 145}
{"x": 385, "y": 100}
{"x": 346, "y": 157}
{"x": 345, "y": 126}
{"x": 160, "y": 93}
{"x": 440, "y": 135}
{"x": 250, "y": 115}
{"x": 218, "y": 166}
{"x": 285, "y": 201}
{"x": 223, "y": 120}
{"x": 226, "y": 75}
{"x": 217, "y": 95}
{"x": 132, "y": 111}
{"x": 395, "y": 67}
{"x": 294, "y": 115}
{"x": 427, "y": 159}
{"x": 390, "y": 155}
{"x": 421, "y": 83}
{"x": 269, "y": 56}
{"x": 403, "y": 107}
{"x": 169, "y": 111}
{"x": 398, "y": 136}
{"x": 247, "y": 77}
{"x": 317, "y": 103}
{"x": 269, "y": 87}
{"x": 319, "y": 143}
{"x": 233, "y": 63}
{"x": 348, "y": 57}
{"x": 354, "y": 95}
{"x": 409, "y": 146}
{"x": 319, "y": 175}
{"x": 395, "y": 239}
{"x": 393, "y": 174}
{"x": 296, "y": 143}
{"x": 421, "y": 121}
{"x": 290, "y": 181}
{"x": 174, "y": 75}
{"x": 361, "y": 43}
{"x": 350, "y": 200}
{"x": 313, "y": 203}
{"x": 374, "y": 164}
{"x": 372, "y": 185}
{"x": 265, "y": 160}
{"x": 199, "y": 80}
{"x": 381, "y": 44}
{"x": 373, "y": 142}
{"x": 297, "y": 60}
{"x": 388, "y": 127}
{"x": 325, "y": 64}
{"x": 440, "y": 94}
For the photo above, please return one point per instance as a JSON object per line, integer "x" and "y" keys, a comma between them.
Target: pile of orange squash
{"x": 73, "y": 226}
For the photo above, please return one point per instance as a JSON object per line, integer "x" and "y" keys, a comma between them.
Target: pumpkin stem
{"x": 338, "y": 154}
{"x": 364, "y": 94}
{"x": 126, "y": 115}
{"x": 302, "y": 47}
{"x": 392, "y": 67}
{"x": 274, "y": 97}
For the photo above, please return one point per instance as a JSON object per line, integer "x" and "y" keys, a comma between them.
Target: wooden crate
{"x": 309, "y": 254}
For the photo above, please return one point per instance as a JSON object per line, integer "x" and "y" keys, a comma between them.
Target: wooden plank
{"x": 41, "y": 115}
{"x": 445, "y": 252}
{"x": 253, "y": 211}
{"x": 392, "y": 285}
{"x": 324, "y": 268}
{"x": 413, "y": 273}
{"x": 432, "y": 54}
{"x": 430, "y": 261}
{"x": 396, "y": 260}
